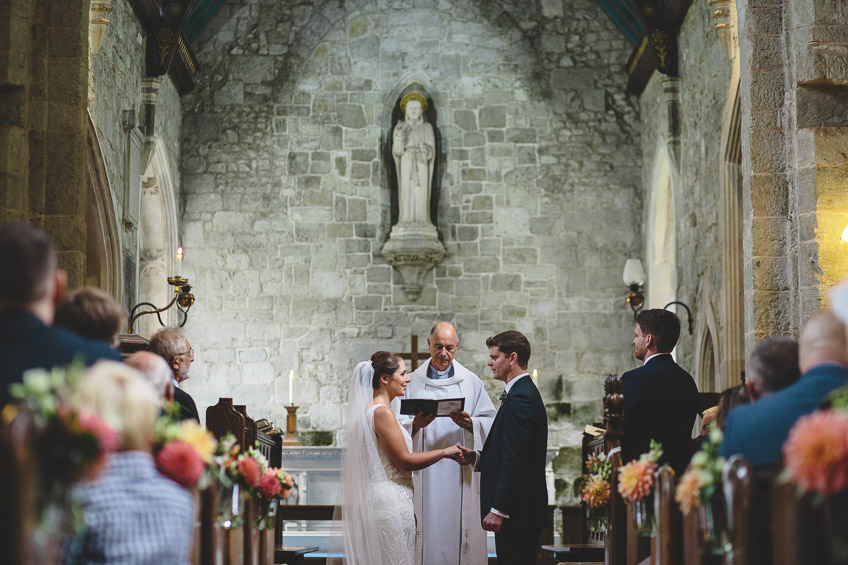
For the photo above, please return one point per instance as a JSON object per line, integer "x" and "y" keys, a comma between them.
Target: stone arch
{"x": 662, "y": 237}
{"x": 103, "y": 240}
{"x": 707, "y": 375}
{"x": 157, "y": 239}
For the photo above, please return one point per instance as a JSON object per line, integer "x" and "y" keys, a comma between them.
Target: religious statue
{"x": 414, "y": 150}
{"x": 413, "y": 247}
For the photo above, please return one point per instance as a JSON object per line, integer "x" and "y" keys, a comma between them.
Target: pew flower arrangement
{"x": 816, "y": 452}
{"x": 184, "y": 452}
{"x": 248, "y": 472}
{"x": 636, "y": 483}
{"x": 700, "y": 481}
{"x": 636, "y": 479}
{"x": 594, "y": 485}
{"x": 71, "y": 443}
{"x": 594, "y": 489}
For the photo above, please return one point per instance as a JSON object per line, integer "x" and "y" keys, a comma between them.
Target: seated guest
{"x": 729, "y": 399}
{"x": 708, "y": 419}
{"x": 155, "y": 370}
{"x": 758, "y": 430}
{"x": 660, "y": 398}
{"x": 29, "y": 286}
{"x": 772, "y": 366}
{"x": 171, "y": 344}
{"x": 91, "y": 313}
{"x": 132, "y": 513}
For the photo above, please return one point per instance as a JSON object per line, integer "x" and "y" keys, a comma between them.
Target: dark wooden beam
{"x": 167, "y": 51}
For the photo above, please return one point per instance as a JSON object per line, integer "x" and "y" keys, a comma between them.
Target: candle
{"x": 291, "y": 388}
{"x": 179, "y": 260}
{"x": 535, "y": 377}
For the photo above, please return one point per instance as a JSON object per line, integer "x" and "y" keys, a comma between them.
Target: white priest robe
{"x": 447, "y": 496}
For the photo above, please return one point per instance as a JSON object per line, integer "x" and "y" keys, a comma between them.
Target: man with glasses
{"x": 171, "y": 344}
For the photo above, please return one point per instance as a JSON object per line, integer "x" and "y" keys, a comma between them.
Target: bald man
{"x": 447, "y": 501}
{"x": 155, "y": 370}
{"x": 758, "y": 430}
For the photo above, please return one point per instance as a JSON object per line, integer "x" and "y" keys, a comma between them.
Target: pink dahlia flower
{"x": 269, "y": 486}
{"x": 249, "y": 469}
{"x": 816, "y": 452}
{"x": 178, "y": 461}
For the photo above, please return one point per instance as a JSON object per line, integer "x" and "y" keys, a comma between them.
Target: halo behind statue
{"x": 413, "y": 96}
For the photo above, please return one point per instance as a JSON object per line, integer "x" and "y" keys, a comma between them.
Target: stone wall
{"x": 115, "y": 103}
{"x": 43, "y": 50}
{"x": 705, "y": 72}
{"x": 288, "y": 202}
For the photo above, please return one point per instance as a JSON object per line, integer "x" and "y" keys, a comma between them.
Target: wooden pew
{"x": 615, "y": 542}
{"x": 667, "y": 548}
{"x": 18, "y": 484}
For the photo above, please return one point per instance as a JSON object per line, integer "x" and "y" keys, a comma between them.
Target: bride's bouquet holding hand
{"x": 375, "y": 494}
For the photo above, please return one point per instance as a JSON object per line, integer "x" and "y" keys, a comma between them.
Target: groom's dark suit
{"x": 512, "y": 467}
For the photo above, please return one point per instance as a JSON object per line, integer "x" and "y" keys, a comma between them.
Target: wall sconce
{"x": 688, "y": 313}
{"x": 634, "y": 277}
{"x": 183, "y": 298}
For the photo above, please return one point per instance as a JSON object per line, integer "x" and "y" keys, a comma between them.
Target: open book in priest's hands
{"x": 443, "y": 407}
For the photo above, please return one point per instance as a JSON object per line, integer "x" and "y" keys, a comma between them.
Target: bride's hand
{"x": 454, "y": 453}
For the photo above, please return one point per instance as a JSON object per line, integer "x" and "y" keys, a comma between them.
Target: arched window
{"x": 662, "y": 238}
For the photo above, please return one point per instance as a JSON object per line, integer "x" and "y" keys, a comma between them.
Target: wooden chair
{"x": 796, "y": 527}
{"x": 668, "y": 544}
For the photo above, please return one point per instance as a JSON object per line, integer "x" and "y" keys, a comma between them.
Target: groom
{"x": 513, "y": 491}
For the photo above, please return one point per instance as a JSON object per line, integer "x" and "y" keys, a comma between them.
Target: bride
{"x": 375, "y": 493}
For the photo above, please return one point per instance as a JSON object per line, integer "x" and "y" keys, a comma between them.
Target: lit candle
{"x": 291, "y": 388}
{"x": 179, "y": 261}
{"x": 535, "y": 377}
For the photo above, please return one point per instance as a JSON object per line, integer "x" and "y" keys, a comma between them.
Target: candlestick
{"x": 291, "y": 388}
{"x": 291, "y": 426}
{"x": 179, "y": 260}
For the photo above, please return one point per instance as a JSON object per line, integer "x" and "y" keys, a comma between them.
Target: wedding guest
{"x": 772, "y": 366}
{"x": 155, "y": 370}
{"x": 171, "y": 344}
{"x": 30, "y": 287}
{"x": 91, "y": 313}
{"x": 729, "y": 399}
{"x": 759, "y": 429}
{"x": 132, "y": 513}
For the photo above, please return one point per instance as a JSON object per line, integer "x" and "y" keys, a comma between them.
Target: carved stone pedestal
{"x": 413, "y": 249}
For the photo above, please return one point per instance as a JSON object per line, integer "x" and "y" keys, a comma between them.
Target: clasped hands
{"x": 463, "y": 455}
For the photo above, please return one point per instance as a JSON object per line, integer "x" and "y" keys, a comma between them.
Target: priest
{"x": 447, "y": 500}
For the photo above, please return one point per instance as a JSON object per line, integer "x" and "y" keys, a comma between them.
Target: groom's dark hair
{"x": 384, "y": 363}
{"x": 512, "y": 342}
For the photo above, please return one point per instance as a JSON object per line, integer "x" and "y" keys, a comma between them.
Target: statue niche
{"x": 413, "y": 247}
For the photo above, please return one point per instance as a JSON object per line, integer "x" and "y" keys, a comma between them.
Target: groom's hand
{"x": 492, "y": 522}
{"x": 469, "y": 456}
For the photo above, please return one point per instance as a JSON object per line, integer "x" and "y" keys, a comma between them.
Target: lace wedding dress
{"x": 374, "y": 522}
{"x": 393, "y": 508}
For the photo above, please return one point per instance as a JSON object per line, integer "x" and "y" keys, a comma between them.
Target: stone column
{"x": 817, "y": 32}
{"x": 43, "y": 100}
{"x": 765, "y": 211}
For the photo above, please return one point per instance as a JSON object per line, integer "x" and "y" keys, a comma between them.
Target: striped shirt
{"x": 133, "y": 516}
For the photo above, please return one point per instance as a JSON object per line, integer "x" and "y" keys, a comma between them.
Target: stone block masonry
{"x": 288, "y": 203}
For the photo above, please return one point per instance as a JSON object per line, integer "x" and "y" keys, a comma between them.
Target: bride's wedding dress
{"x": 393, "y": 508}
{"x": 374, "y": 523}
